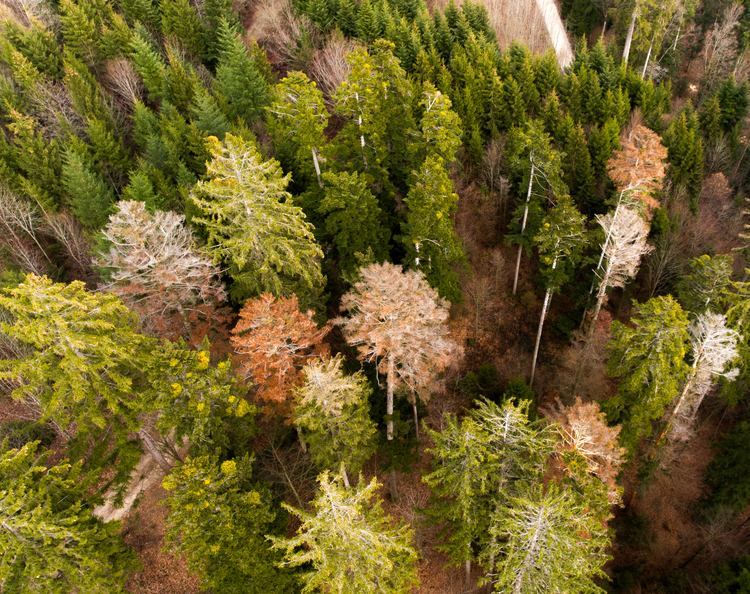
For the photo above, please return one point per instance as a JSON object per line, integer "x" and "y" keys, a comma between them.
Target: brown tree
{"x": 273, "y": 340}
{"x": 156, "y": 271}
{"x": 397, "y": 320}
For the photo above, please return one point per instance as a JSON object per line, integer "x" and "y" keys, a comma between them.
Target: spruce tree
{"x": 150, "y": 66}
{"x": 368, "y": 29}
{"x": 347, "y": 17}
{"x": 207, "y": 116}
{"x": 707, "y": 284}
{"x": 89, "y": 197}
{"x": 50, "y": 540}
{"x": 180, "y": 20}
{"x": 685, "y": 155}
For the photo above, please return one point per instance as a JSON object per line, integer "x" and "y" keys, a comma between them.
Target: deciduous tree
{"x": 398, "y": 321}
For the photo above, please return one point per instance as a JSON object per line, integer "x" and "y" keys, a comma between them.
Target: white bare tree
{"x": 720, "y": 46}
{"x": 155, "y": 269}
{"x": 71, "y": 235}
{"x": 714, "y": 346}
{"x": 20, "y": 225}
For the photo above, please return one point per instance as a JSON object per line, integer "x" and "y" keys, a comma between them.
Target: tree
{"x": 240, "y": 88}
{"x": 545, "y": 540}
{"x": 544, "y": 174}
{"x": 626, "y": 236}
{"x": 273, "y": 340}
{"x": 428, "y": 234}
{"x": 649, "y": 359}
{"x": 21, "y": 223}
{"x": 219, "y": 519}
{"x": 90, "y": 198}
{"x": 354, "y": 221}
{"x": 685, "y": 153}
{"x": 398, "y": 321}
{"x": 706, "y": 286}
{"x": 713, "y": 347}
{"x": 299, "y": 115}
{"x": 333, "y": 409}
{"x": 153, "y": 266}
{"x": 351, "y": 544}
{"x": 561, "y": 240}
{"x": 254, "y": 226}
{"x": 80, "y": 373}
{"x": 479, "y": 464}
{"x": 50, "y": 540}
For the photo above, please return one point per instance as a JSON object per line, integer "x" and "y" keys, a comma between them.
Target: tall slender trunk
{"x": 302, "y": 443}
{"x": 545, "y": 307}
{"x": 523, "y": 227}
{"x": 389, "y": 395}
{"x": 600, "y": 296}
{"x": 467, "y": 573}
{"x": 629, "y": 37}
{"x": 416, "y": 418}
{"x": 648, "y": 57}
{"x": 345, "y": 476}
{"x": 547, "y": 299}
{"x": 317, "y": 167}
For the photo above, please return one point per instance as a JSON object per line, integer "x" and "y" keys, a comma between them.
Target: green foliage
{"x": 89, "y": 197}
{"x": 253, "y": 225}
{"x": 19, "y": 433}
{"x": 352, "y": 545}
{"x": 150, "y": 66}
{"x": 728, "y": 483}
{"x": 239, "y": 87}
{"x": 354, "y": 221}
{"x": 50, "y": 541}
{"x": 180, "y": 20}
{"x": 207, "y": 116}
{"x": 333, "y": 410}
{"x": 579, "y": 174}
{"x": 685, "y": 154}
{"x": 649, "y": 359}
{"x": 219, "y": 519}
{"x": 707, "y": 284}
{"x": 38, "y": 45}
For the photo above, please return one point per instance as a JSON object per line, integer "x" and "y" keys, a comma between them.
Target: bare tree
{"x": 720, "y": 47}
{"x": 155, "y": 269}
{"x": 71, "y": 235}
{"x": 123, "y": 81}
{"x": 398, "y": 321}
{"x": 20, "y": 223}
{"x": 329, "y": 66}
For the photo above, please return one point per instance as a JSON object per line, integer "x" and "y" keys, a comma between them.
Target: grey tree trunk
{"x": 523, "y": 227}
{"x": 547, "y": 299}
{"x": 317, "y": 167}
{"x": 389, "y": 402}
{"x": 556, "y": 30}
{"x": 629, "y": 37}
{"x": 155, "y": 452}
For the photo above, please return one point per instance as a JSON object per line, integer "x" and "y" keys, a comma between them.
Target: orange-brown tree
{"x": 398, "y": 320}
{"x": 273, "y": 340}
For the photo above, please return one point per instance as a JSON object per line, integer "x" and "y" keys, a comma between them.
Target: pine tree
{"x": 89, "y": 197}
{"x": 215, "y": 11}
{"x": 561, "y": 241}
{"x": 181, "y": 84}
{"x": 685, "y": 155}
{"x": 253, "y": 225}
{"x": 710, "y": 119}
{"x": 320, "y": 13}
{"x": 333, "y": 410}
{"x": 706, "y": 287}
{"x": 649, "y": 359}
{"x": 298, "y": 115}
{"x": 546, "y": 73}
{"x": 180, "y": 20}
{"x": 352, "y": 545}
{"x": 240, "y": 88}
{"x": 443, "y": 36}
{"x": 398, "y": 320}
{"x": 579, "y": 174}
{"x": 353, "y": 221}
{"x": 38, "y": 45}
{"x": 219, "y": 519}
{"x": 514, "y": 106}
{"x": 50, "y": 540}
{"x": 79, "y": 29}
{"x": 207, "y": 116}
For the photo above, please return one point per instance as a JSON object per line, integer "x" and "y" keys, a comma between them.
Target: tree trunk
{"x": 523, "y": 227}
{"x": 345, "y": 476}
{"x": 416, "y": 418}
{"x": 394, "y": 487}
{"x": 556, "y": 31}
{"x": 302, "y": 443}
{"x": 648, "y": 56}
{"x": 629, "y": 37}
{"x": 154, "y": 451}
{"x": 467, "y": 573}
{"x": 547, "y": 299}
{"x": 592, "y": 326}
{"x": 317, "y": 167}
{"x": 389, "y": 402}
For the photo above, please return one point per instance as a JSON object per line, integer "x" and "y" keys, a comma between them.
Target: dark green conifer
{"x": 710, "y": 119}
{"x": 514, "y": 107}
{"x": 182, "y": 83}
{"x": 368, "y": 29}
{"x": 546, "y": 73}
{"x": 685, "y": 155}
{"x": 207, "y": 116}
{"x": 180, "y": 20}
{"x": 150, "y": 66}
{"x": 443, "y": 36}
{"x": 347, "y": 17}
{"x": 89, "y": 197}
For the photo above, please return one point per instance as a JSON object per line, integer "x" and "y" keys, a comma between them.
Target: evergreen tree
{"x": 219, "y": 518}
{"x": 239, "y": 87}
{"x": 546, "y": 73}
{"x": 207, "y": 116}
{"x": 253, "y": 225}
{"x": 347, "y": 17}
{"x": 649, "y": 358}
{"x": 514, "y": 106}
{"x": 579, "y": 174}
{"x": 89, "y": 197}
{"x": 180, "y": 20}
{"x": 353, "y": 221}
{"x": 299, "y": 116}
{"x": 352, "y": 545}
{"x": 321, "y": 14}
{"x": 215, "y": 11}
{"x": 368, "y": 29}
{"x": 79, "y": 29}
{"x": 38, "y": 45}
{"x": 685, "y": 155}
{"x": 50, "y": 540}
{"x": 150, "y": 66}
{"x": 706, "y": 287}
{"x": 710, "y": 119}
{"x": 725, "y": 475}
{"x": 333, "y": 409}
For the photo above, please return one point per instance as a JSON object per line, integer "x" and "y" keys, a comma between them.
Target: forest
{"x": 389, "y": 296}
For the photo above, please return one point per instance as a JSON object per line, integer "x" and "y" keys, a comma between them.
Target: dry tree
{"x": 20, "y": 223}
{"x": 329, "y": 67}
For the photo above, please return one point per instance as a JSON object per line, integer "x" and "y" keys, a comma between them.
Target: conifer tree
{"x": 706, "y": 287}
{"x": 219, "y": 519}
{"x": 579, "y": 174}
{"x": 79, "y": 29}
{"x": 89, "y": 197}
{"x": 649, "y": 359}
{"x": 180, "y": 20}
{"x": 50, "y": 540}
{"x": 561, "y": 241}
{"x": 240, "y": 88}
{"x": 299, "y": 116}
{"x": 150, "y": 66}
{"x": 710, "y": 119}
{"x": 347, "y": 17}
{"x": 367, "y": 26}
{"x": 354, "y": 221}
{"x": 207, "y": 116}
{"x": 685, "y": 155}
{"x": 254, "y": 226}
{"x": 215, "y": 11}
{"x": 333, "y": 410}
{"x": 398, "y": 321}
{"x": 352, "y": 545}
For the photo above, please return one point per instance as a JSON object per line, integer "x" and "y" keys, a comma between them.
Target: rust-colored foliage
{"x": 639, "y": 166}
{"x": 273, "y": 340}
